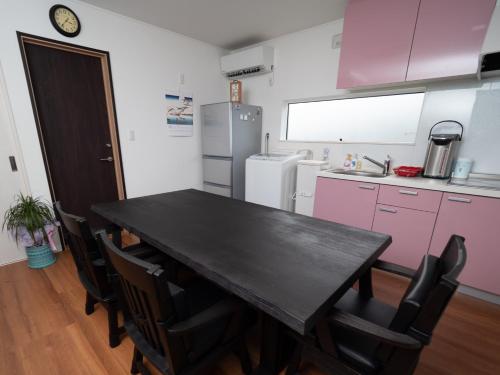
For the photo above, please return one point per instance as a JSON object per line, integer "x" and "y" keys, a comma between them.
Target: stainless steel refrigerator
{"x": 230, "y": 134}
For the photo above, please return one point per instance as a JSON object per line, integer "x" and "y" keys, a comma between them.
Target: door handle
{"x": 108, "y": 159}
{"x": 461, "y": 200}
{"x": 390, "y": 210}
{"x": 408, "y": 192}
{"x": 366, "y": 187}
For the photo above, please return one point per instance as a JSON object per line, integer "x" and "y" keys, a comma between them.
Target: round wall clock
{"x": 64, "y": 20}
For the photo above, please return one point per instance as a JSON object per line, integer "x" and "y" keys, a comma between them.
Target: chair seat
{"x": 177, "y": 272}
{"x": 355, "y": 348}
{"x": 194, "y": 298}
{"x": 103, "y": 294}
{"x": 145, "y": 252}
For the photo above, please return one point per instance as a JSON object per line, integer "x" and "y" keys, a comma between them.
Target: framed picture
{"x": 235, "y": 91}
{"x": 179, "y": 115}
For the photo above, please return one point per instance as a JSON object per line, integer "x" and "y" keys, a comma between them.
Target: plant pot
{"x": 40, "y": 256}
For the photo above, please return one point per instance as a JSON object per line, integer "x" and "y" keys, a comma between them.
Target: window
{"x": 372, "y": 119}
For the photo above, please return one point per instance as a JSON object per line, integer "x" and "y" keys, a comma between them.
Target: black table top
{"x": 290, "y": 266}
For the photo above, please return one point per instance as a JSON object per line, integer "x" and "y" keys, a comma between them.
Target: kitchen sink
{"x": 356, "y": 173}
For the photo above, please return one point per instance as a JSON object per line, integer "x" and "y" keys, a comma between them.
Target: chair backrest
{"x": 423, "y": 304}
{"x": 84, "y": 250}
{"x": 430, "y": 290}
{"x": 148, "y": 305}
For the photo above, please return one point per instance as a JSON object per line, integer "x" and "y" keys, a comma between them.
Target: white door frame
{"x": 6, "y": 108}
{"x": 7, "y": 117}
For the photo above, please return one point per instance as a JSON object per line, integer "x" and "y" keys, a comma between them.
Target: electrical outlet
{"x": 336, "y": 41}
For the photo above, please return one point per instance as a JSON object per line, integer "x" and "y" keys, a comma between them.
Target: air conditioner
{"x": 252, "y": 61}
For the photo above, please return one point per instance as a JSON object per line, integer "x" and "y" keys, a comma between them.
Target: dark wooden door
{"x": 68, "y": 92}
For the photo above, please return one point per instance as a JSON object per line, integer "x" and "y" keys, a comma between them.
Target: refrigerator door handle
{"x": 216, "y": 157}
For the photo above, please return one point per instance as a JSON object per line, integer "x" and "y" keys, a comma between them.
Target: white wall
{"x": 306, "y": 67}
{"x": 145, "y": 61}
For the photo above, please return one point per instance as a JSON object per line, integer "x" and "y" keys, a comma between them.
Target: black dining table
{"x": 293, "y": 268}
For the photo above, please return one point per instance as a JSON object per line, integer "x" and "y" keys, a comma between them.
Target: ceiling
{"x": 229, "y": 24}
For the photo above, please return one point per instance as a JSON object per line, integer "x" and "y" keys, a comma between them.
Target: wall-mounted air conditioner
{"x": 252, "y": 61}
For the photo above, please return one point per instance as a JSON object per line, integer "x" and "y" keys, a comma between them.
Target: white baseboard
{"x": 22, "y": 259}
{"x": 13, "y": 261}
{"x": 480, "y": 294}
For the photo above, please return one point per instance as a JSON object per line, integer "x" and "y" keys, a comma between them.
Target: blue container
{"x": 40, "y": 256}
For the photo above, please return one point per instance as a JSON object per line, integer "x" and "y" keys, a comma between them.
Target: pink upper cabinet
{"x": 448, "y": 38}
{"x": 477, "y": 219}
{"x": 345, "y": 202}
{"x": 376, "y": 42}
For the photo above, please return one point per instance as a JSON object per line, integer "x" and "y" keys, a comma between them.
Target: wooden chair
{"x": 362, "y": 335}
{"x": 179, "y": 330}
{"x": 93, "y": 270}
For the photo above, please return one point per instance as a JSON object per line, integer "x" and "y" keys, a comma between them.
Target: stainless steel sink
{"x": 356, "y": 173}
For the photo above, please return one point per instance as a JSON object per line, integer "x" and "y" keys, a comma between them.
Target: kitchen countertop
{"x": 415, "y": 182}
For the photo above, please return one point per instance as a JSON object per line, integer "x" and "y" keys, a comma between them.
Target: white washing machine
{"x": 270, "y": 179}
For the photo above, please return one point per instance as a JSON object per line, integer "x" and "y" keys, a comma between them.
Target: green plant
{"x": 28, "y": 216}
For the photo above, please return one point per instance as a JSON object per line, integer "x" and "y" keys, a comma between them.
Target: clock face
{"x": 65, "y": 20}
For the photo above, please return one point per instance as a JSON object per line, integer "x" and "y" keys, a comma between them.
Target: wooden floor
{"x": 43, "y": 329}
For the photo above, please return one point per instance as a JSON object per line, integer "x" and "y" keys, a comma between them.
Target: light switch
{"x": 337, "y": 41}
{"x": 131, "y": 135}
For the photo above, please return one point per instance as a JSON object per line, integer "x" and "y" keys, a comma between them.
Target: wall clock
{"x": 64, "y": 20}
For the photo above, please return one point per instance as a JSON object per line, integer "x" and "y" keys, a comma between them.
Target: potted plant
{"x": 32, "y": 223}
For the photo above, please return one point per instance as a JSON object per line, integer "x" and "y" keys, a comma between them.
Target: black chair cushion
{"x": 105, "y": 292}
{"x": 423, "y": 281}
{"x": 355, "y": 348}
{"x": 176, "y": 272}
{"x": 141, "y": 250}
{"x": 189, "y": 301}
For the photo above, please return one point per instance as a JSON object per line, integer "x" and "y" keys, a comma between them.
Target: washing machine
{"x": 270, "y": 179}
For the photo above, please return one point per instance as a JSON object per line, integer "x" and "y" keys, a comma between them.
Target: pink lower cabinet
{"x": 416, "y": 199}
{"x": 478, "y": 220}
{"x": 411, "y": 232}
{"x": 345, "y": 202}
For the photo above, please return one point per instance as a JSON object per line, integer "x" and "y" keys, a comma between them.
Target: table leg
{"x": 365, "y": 284}
{"x": 275, "y": 347}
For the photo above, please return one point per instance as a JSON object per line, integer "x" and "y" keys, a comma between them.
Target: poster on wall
{"x": 179, "y": 115}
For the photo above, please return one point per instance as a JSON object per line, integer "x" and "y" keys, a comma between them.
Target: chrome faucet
{"x": 386, "y": 165}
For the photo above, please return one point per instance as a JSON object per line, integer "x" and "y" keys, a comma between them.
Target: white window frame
{"x": 354, "y": 95}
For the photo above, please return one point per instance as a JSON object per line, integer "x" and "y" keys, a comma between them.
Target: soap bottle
{"x": 354, "y": 162}
{"x": 348, "y": 161}
{"x": 359, "y": 163}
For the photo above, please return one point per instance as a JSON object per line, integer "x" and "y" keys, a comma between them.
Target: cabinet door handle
{"x": 408, "y": 192}
{"x": 390, "y": 210}
{"x": 367, "y": 187}
{"x": 459, "y": 199}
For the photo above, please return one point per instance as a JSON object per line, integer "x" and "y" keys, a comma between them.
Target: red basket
{"x": 405, "y": 171}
